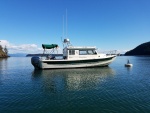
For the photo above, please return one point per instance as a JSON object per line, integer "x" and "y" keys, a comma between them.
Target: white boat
{"x": 73, "y": 57}
{"x": 128, "y": 64}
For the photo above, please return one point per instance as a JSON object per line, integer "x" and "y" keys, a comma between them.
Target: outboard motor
{"x": 35, "y": 62}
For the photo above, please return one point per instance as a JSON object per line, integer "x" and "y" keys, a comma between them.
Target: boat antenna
{"x": 63, "y": 33}
{"x": 66, "y": 40}
{"x": 66, "y": 23}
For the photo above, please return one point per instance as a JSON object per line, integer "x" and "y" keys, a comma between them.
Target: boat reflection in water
{"x": 73, "y": 79}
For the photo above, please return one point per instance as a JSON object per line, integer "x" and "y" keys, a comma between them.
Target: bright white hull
{"x": 62, "y": 64}
{"x": 128, "y": 65}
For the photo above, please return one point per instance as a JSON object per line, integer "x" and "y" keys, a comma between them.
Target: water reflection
{"x": 73, "y": 79}
{"x": 129, "y": 68}
{"x": 3, "y": 63}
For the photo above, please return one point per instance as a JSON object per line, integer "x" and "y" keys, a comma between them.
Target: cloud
{"x": 34, "y": 49}
{"x": 112, "y": 51}
{"x": 122, "y": 51}
{"x": 4, "y": 42}
{"x": 23, "y": 48}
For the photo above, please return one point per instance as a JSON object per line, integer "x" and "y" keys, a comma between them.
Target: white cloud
{"x": 113, "y": 51}
{"x": 34, "y": 49}
{"x": 23, "y": 48}
{"x": 122, "y": 51}
{"x": 4, "y": 42}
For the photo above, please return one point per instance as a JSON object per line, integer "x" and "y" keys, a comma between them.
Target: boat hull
{"x": 128, "y": 65}
{"x": 65, "y": 64}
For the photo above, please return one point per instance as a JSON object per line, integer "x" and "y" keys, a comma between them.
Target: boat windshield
{"x": 87, "y": 52}
{"x": 94, "y": 51}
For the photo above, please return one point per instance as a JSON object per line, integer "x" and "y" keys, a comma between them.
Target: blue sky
{"x": 108, "y": 24}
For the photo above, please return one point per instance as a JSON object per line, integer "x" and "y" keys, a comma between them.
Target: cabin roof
{"x": 81, "y": 48}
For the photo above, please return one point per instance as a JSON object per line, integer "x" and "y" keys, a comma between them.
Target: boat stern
{"x": 35, "y": 61}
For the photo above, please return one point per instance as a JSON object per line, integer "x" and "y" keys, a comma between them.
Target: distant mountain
{"x": 143, "y": 49}
{"x": 18, "y": 55}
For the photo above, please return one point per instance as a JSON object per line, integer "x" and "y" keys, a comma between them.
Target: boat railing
{"x": 110, "y": 53}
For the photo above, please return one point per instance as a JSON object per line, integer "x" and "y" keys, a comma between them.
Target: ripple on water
{"x": 109, "y": 89}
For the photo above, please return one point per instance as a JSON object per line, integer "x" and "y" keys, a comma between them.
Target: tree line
{"x": 4, "y": 49}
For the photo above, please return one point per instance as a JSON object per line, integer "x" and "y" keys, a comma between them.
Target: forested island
{"x": 143, "y": 49}
{"x": 3, "y": 52}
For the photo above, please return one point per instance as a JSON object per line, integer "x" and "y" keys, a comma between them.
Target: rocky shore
{"x": 3, "y": 54}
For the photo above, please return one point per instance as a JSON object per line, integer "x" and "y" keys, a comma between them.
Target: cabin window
{"x": 90, "y": 52}
{"x": 71, "y": 52}
{"x": 83, "y": 52}
{"x": 87, "y": 52}
{"x": 94, "y": 52}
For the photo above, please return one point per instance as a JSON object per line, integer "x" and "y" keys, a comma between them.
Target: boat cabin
{"x": 73, "y": 53}
{"x": 80, "y": 52}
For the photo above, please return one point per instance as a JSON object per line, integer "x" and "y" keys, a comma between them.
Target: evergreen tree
{"x": 1, "y": 48}
{"x": 6, "y": 50}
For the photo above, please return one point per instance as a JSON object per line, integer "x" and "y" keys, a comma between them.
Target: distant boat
{"x": 128, "y": 64}
{"x": 73, "y": 57}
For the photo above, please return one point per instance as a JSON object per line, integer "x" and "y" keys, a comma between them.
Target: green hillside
{"x": 143, "y": 49}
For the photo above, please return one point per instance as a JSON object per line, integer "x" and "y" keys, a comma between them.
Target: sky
{"x": 107, "y": 24}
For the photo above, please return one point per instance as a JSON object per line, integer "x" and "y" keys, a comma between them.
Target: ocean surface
{"x": 113, "y": 89}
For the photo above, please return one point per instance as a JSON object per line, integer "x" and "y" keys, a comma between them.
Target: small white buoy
{"x": 128, "y": 64}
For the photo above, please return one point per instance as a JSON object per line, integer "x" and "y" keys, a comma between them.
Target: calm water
{"x": 113, "y": 89}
